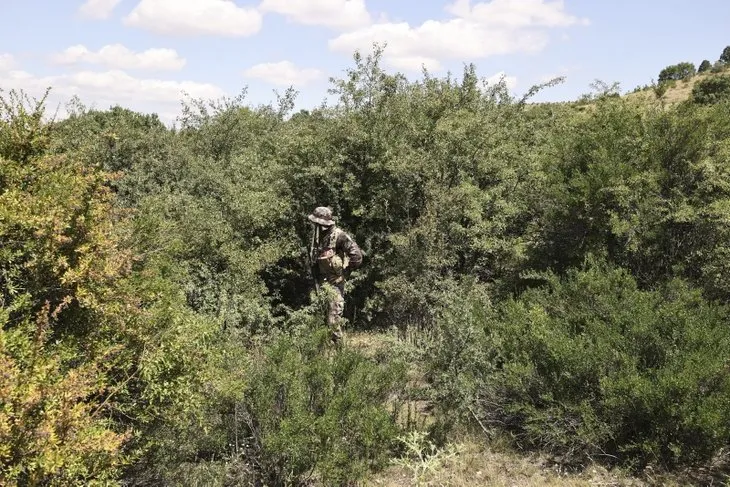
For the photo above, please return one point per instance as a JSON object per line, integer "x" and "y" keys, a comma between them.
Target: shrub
{"x": 704, "y": 66}
{"x": 661, "y": 88}
{"x": 711, "y": 90}
{"x": 50, "y": 432}
{"x": 311, "y": 412}
{"x": 591, "y": 365}
{"x": 60, "y": 266}
{"x": 96, "y": 352}
{"x": 718, "y": 67}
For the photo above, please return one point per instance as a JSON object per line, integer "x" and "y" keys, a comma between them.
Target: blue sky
{"x": 143, "y": 54}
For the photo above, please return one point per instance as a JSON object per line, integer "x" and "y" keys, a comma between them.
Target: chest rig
{"x": 329, "y": 263}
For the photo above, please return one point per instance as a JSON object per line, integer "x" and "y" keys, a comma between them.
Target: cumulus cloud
{"x": 195, "y": 17}
{"x": 106, "y": 88}
{"x": 476, "y": 31}
{"x": 7, "y": 62}
{"x": 112, "y": 86}
{"x": 516, "y": 14}
{"x": 283, "y": 73}
{"x": 509, "y": 81}
{"x": 98, "y": 9}
{"x": 120, "y": 57}
{"x": 337, "y": 14}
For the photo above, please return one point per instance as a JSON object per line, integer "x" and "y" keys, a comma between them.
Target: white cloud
{"x": 106, "y": 88}
{"x": 283, "y": 73}
{"x": 98, "y": 9}
{"x": 509, "y": 81}
{"x": 195, "y": 17}
{"x": 516, "y": 14}
{"x": 476, "y": 31}
{"x": 338, "y": 14}
{"x": 7, "y": 62}
{"x": 120, "y": 57}
{"x": 113, "y": 86}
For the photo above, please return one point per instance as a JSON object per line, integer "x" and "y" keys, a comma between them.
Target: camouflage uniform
{"x": 335, "y": 255}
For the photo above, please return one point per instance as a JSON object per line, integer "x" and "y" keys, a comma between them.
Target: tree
{"x": 704, "y": 66}
{"x": 725, "y": 56}
{"x": 677, "y": 72}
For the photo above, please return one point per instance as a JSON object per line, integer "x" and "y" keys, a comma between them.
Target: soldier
{"x": 334, "y": 255}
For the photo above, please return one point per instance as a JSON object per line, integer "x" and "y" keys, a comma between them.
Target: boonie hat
{"x": 322, "y": 215}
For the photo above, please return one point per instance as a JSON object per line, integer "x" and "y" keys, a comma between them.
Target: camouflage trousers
{"x": 335, "y": 308}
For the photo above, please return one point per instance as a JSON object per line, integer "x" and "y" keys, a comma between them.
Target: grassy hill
{"x": 676, "y": 91}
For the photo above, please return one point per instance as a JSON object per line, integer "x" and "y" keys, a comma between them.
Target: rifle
{"x": 312, "y": 257}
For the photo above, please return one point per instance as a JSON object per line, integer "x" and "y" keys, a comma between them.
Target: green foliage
{"x": 591, "y": 365}
{"x": 661, "y": 88}
{"x": 156, "y": 278}
{"x": 725, "y": 56}
{"x": 59, "y": 305}
{"x": 596, "y": 182}
{"x": 719, "y": 67}
{"x": 23, "y": 135}
{"x": 677, "y": 72}
{"x": 643, "y": 186}
{"x": 50, "y": 432}
{"x": 228, "y": 215}
{"x": 712, "y": 90}
{"x": 601, "y": 90}
{"x": 97, "y": 348}
{"x": 121, "y": 141}
{"x": 705, "y": 65}
{"x": 307, "y": 411}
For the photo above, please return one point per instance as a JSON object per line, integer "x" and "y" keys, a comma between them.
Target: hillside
{"x": 676, "y": 91}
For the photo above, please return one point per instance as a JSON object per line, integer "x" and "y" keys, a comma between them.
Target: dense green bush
{"x": 712, "y": 90}
{"x": 719, "y": 67}
{"x": 311, "y": 413}
{"x": 591, "y": 366}
{"x": 643, "y": 186}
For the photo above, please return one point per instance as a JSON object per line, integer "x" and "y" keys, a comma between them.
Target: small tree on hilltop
{"x": 725, "y": 56}
{"x": 704, "y": 66}
{"x": 677, "y": 72}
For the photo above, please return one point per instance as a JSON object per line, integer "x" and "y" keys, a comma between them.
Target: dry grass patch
{"x": 677, "y": 92}
{"x": 370, "y": 344}
{"x": 471, "y": 463}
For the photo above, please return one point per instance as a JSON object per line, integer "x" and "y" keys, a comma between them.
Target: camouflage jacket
{"x": 336, "y": 254}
